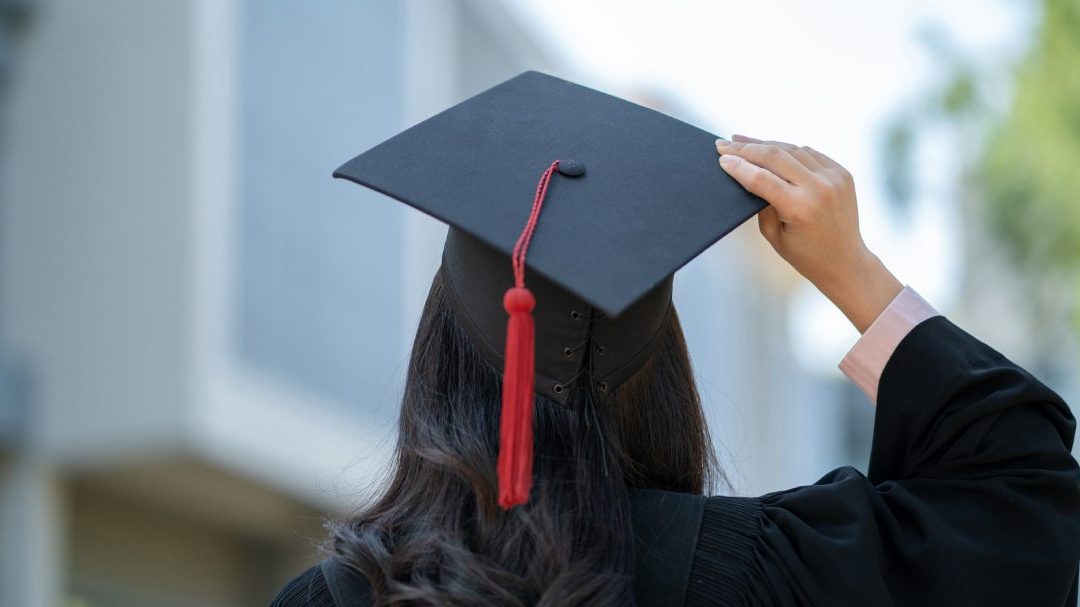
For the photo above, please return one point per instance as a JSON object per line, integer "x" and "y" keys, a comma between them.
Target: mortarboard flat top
{"x": 652, "y": 196}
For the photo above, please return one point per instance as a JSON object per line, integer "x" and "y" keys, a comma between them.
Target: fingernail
{"x": 722, "y": 142}
{"x": 728, "y": 161}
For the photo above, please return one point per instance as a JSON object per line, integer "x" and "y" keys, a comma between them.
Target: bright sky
{"x": 826, "y": 74}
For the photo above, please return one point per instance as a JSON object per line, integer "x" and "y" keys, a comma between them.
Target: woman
{"x": 972, "y": 496}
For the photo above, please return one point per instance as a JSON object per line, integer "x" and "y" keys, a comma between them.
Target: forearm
{"x": 862, "y": 292}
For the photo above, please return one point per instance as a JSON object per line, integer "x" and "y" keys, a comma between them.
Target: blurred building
{"x": 203, "y": 337}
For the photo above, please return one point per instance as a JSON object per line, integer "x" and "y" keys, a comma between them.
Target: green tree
{"x": 1029, "y": 170}
{"x": 1022, "y": 157}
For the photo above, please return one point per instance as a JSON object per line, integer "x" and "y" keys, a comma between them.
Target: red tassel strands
{"x": 516, "y": 424}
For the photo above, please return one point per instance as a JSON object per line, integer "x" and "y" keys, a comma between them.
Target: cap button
{"x": 571, "y": 168}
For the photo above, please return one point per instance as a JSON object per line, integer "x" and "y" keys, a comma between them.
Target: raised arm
{"x": 972, "y": 495}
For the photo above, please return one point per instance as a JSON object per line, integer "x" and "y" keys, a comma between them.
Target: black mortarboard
{"x": 632, "y": 195}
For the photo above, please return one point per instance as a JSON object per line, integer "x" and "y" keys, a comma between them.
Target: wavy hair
{"x": 434, "y": 534}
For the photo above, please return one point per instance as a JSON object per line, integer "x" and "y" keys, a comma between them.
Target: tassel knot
{"x": 518, "y": 300}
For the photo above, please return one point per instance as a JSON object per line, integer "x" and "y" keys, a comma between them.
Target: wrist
{"x": 864, "y": 291}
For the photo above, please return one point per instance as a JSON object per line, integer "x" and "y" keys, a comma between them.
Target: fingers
{"x": 756, "y": 180}
{"x": 830, "y": 170}
{"x": 802, "y": 154}
{"x": 824, "y": 160}
{"x": 772, "y": 157}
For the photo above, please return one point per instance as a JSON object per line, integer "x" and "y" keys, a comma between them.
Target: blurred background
{"x": 203, "y": 337}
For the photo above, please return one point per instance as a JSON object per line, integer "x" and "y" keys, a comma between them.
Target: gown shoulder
{"x": 331, "y": 583}
{"x": 308, "y": 589}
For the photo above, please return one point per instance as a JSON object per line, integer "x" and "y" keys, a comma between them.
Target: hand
{"x": 812, "y": 222}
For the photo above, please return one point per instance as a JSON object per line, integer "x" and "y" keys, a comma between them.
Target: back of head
{"x": 435, "y": 534}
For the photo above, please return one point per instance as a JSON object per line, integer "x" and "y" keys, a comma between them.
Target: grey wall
{"x": 320, "y": 266}
{"x": 94, "y": 251}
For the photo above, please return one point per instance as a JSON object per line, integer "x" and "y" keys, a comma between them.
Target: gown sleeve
{"x": 972, "y": 498}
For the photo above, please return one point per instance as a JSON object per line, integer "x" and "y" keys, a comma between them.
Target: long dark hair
{"x": 435, "y": 535}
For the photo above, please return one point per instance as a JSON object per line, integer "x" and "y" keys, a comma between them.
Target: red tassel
{"x": 516, "y": 425}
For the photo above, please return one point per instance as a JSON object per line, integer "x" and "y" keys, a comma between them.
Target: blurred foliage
{"x": 899, "y": 170}
{"x": 1029, "y": 171}
{"x": 1024, "y": 168}
{"x": 957, "y": 101}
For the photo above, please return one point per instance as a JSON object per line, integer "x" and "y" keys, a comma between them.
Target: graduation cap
{"x": 569, "y": 211}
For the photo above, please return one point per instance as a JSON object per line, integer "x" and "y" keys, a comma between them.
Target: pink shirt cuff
{"x": 866, "y": 360}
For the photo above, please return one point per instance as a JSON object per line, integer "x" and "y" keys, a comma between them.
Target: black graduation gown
{"x": 972, "y": 498}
